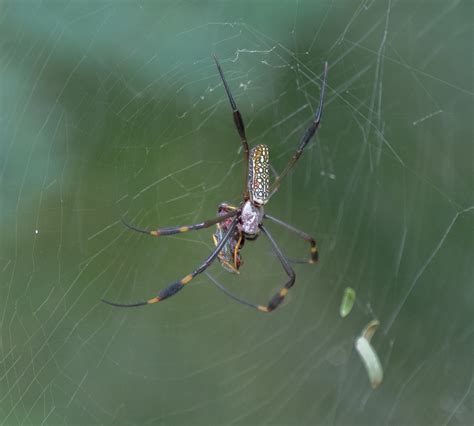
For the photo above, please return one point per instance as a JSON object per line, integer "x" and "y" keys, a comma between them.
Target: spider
{"x": 236, "y": 224}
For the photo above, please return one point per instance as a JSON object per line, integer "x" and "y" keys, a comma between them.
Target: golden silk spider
{"x": 235, "y": 224}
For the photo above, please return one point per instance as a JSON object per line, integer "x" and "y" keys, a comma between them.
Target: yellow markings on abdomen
{"x": 259, "y": 175}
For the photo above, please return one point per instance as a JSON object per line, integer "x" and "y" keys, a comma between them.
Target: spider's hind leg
{"x": 277, "y": 298}
{"x": 314, "y": 253}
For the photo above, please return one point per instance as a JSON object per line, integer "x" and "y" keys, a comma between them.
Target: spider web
{"x": 116, "y": 109}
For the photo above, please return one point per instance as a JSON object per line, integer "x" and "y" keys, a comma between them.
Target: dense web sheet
{"x": 116, "y": 109}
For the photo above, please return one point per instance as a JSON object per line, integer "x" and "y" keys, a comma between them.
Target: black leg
{"x": 306, "y": 137}
{"x": 278, "y": 298}
{"x": 312, "y": 242}
{"x": 239, "y": 124}
{"x": 180, "y": 229}
{"x": 178, "y": 285}
{"x": 230, "y": 294}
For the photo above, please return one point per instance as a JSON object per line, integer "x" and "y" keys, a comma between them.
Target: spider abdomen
{"x": 259, "y": 176}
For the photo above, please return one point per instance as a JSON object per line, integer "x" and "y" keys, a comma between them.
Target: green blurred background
{"x": 112, "y": 108}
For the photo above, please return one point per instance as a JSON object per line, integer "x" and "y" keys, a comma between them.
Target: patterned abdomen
{"x": 259, "y": 176}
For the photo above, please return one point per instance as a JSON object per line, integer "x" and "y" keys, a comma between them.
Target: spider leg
{"x": 278, "y": 298}
{"x": 230, "y": 294}
{"x": 313, "y": 248}
{"x": 180, "y": 229}
{"x": 180, "y": 284}
{"x": 310, "y": 131}
{"x": 239, "y": 124}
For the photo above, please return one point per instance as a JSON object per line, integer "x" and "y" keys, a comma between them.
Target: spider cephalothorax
{"x": 251, "y": 219}
{"x": 235, "y": 224}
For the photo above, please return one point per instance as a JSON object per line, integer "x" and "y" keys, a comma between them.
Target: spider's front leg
{"x": 310, "y": 132}
{"x": 180, "y": 229}
{"x": 239, "y": 125}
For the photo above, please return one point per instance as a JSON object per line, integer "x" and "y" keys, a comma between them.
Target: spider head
{"x": 259, "y": 176}
{"x": 251, "y": 217}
